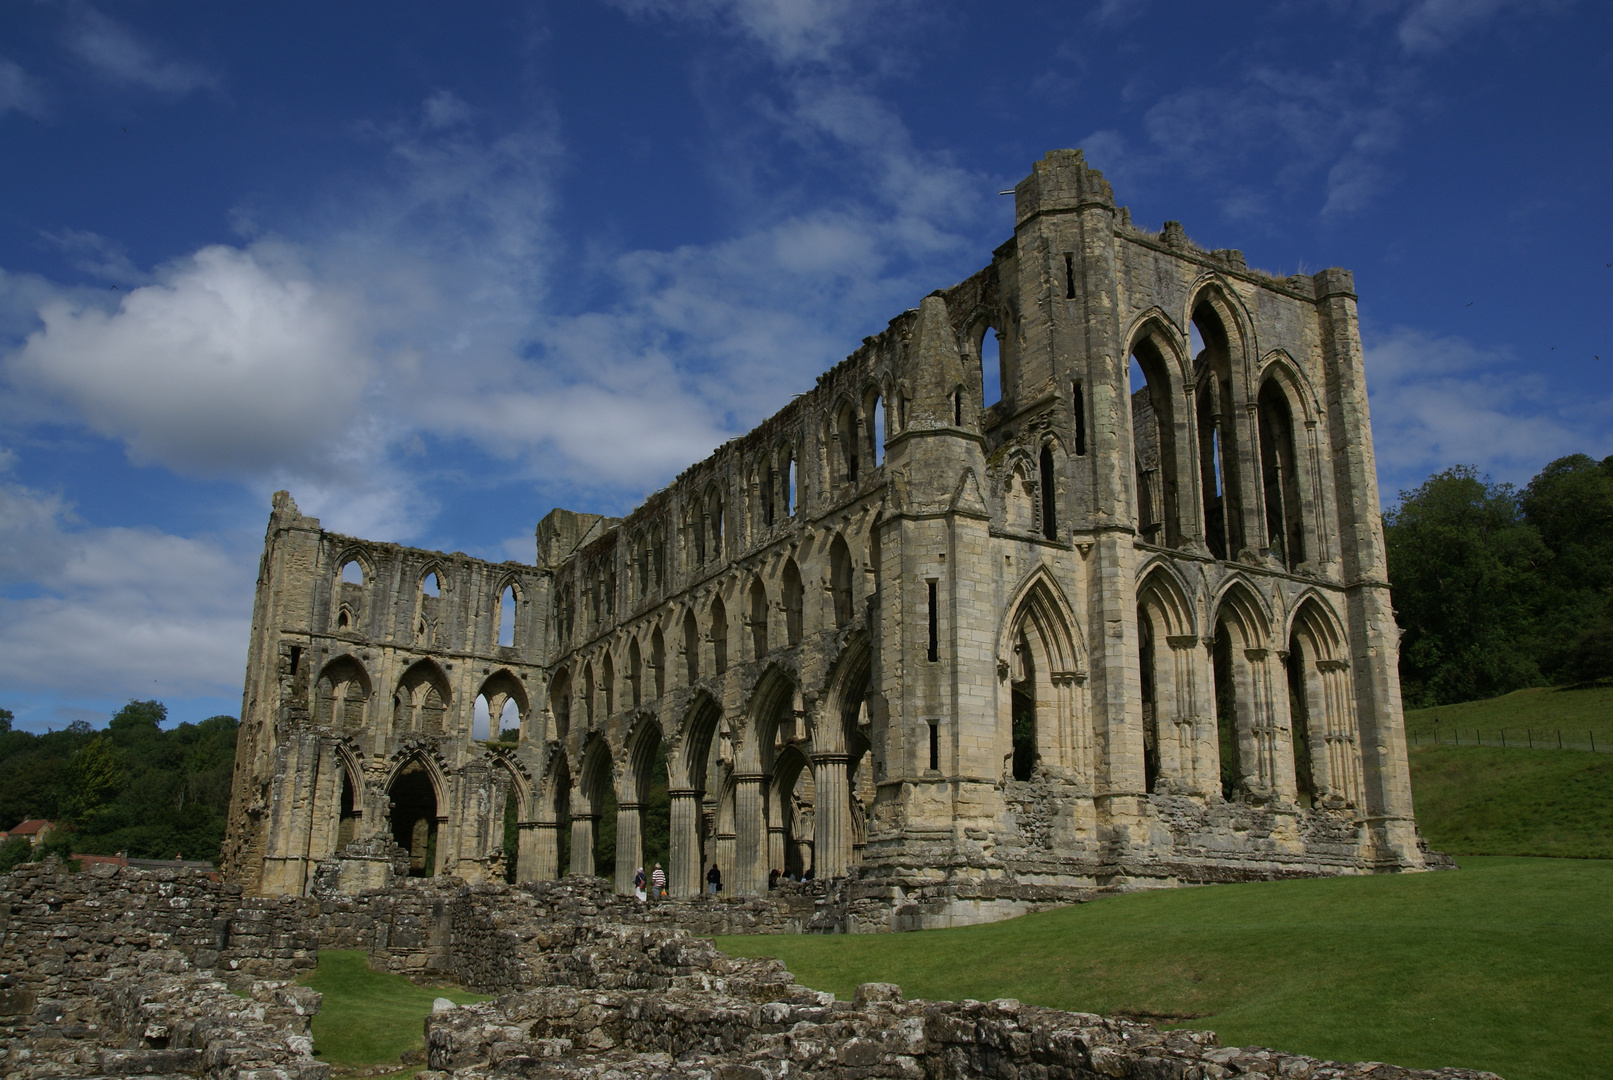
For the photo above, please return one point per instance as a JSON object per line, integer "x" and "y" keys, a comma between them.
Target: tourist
{"x": 713, "y": 880}
{"x": 658, "y": 882}
{"x": 638, "y": 884}
{"x": 772, "y": 879}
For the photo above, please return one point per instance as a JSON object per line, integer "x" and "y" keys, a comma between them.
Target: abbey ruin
{"x": 966, "y": 656}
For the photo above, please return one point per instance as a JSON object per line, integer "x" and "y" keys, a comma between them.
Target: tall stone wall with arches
{"x": 1127, "y": 625}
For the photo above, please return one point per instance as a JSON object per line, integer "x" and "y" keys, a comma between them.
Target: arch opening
{"x": 992, "y": 379}
{"x": 1279, "y": 476}
{"x": 840, "y": 580}
{"x": 758, "y": 618}
{"x": 506, "y": 617}
{"x": 1153, "y": 425}
{"x": 794, "y": 602}
{"x": 352, "y": 572}
{"x": 1218, "y": 436}
{"x": 719, "y": 637}
{"x": 413, "y": 800}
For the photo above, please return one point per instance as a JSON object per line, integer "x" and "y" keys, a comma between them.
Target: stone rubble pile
{"x": 119, "y": 972}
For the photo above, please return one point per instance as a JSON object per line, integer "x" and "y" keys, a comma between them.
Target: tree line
{"x": 132, "y": 787}
{"x": 1497, "y": 589}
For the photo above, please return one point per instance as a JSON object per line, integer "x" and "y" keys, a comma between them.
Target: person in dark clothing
{"x": 772, "y": 879}
{"x": 713, "y": 880}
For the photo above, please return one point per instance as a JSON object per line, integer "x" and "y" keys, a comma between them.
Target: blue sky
{"x": 439, "y": 268}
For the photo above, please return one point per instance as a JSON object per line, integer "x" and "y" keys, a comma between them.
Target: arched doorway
{"x": 414, "y": 817}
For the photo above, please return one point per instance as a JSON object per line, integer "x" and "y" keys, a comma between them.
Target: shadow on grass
{"x": 371, "y": 1017}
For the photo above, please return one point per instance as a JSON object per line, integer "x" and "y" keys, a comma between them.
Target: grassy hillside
{"x": 1581, "y": 714}
{"x": 1506, "y": 964}
{"x": 1481, "y": 800}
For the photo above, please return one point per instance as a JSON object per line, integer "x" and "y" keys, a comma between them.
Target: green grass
{"x": 370, "y": 1017}
{"x": 1479, "y": 800}
{"x": 1505, "y": 965}
{"x": 1579, "y": 713}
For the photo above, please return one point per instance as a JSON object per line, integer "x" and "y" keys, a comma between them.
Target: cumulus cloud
{"x": 118, "y": 55}
{"x": 116, "y": 612}
{"x": 1443, "y": 400}
{"x": 19, "y": 92}
{"x": 232, "y": 360}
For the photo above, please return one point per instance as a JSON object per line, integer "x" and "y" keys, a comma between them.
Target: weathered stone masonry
{"x": 974, "y": 655}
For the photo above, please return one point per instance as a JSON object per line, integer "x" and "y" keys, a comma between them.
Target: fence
{"x": 1519, "y": 738}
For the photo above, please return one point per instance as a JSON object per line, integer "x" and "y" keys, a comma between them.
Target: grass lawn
{"x": 371, "y": 1017}
{"x": 1506, "y": 964}
{"x": 1579, "y": 713}
{"x": 1480, "y": 800}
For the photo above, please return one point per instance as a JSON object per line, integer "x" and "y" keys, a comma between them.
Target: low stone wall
{"x": 123, "y": 972}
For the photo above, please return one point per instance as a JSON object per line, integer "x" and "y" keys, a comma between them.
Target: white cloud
{"x": 19, "y": 92}
{"x": 117, "y": 612}
{"x": 1431, "y": 25}
{"x": 96, "y": 255}
{"x": 118, "y": 55}
{"x": 1443, "y": 401}
{"x": 791, "y": 30}
{"x": 232, "y": 360}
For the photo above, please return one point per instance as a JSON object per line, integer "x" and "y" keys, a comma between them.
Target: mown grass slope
{"x": 1581, "y": 714}
{"x": 1481, "y": 800}
{"x": 370, "y": 1017}
{"x": 1506, "y": 964}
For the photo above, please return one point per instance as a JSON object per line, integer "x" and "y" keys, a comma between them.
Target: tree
{"x": 93, "y": 778}
{"x": 5, "y": 721}
{"x": 1466, "y": 572}
{"x": 1570, "y": 504}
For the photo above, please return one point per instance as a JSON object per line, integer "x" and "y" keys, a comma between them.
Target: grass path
{"x": 1506, "y": 964}
{"x": 371, "y": 1017}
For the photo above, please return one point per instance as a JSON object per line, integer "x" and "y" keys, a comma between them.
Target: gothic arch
{"x": 842, "y": 700}
{"x": 1326, "y": 729}
{"x": 1241, "y": 606}
{"x": 421, "y": 702}
{"x": 1040, "y": 708}
{"x": 776, "y": 691}
{"x": 342, "y": 694}
{"x": 499, "y": 687}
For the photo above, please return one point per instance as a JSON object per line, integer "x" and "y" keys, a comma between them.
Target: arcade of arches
{"x": 992, "y": 616}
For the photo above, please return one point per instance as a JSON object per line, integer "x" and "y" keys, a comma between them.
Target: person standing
{"x": 658, "y": 882}
{"x": 713, "y": 880}
{"x": 638, "y": 884}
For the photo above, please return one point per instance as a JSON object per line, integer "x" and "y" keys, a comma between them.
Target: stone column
{"x": 526, "y": 850}
{"x": 831, "y": 816}
{"x": 546, "y": 851}
{"x": 582, "y": 844}
{"x": 750, "y": 834}
{"x": 775, "y": 830}
{"x": 629, "y": 844}
{"x": 685, "y": 868}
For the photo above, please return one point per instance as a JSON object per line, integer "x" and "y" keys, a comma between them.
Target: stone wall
{"x": 118, "y": 972}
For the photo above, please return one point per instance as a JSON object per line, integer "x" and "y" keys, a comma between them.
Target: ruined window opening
{"x": 840, "y": 580}
{"x": 430, "y": 586}
{"x": 789, "y": 488}
{"x": 1300, "y": 715}
{"x": 344, "y": 620}
{"x": 413, "y": 803}
{"x": 509, "y": 722}
{"x": 991, "y": 368}
{"x": 588, "y": 691}
{"x": 560, "y": 704}
{"x": 758, "y": 618}
{"x": 1145, "y": 641}
{"x": 697, "y": 530}
{"x": 794, "y": 602}
{"x": 1153, "y": 447}
{"x": 769, "y": 495}
{"x": 1218, "y": 435}
{"x": 716, "y": 513}
{"x": 296, "y": 658}
{"x": 658, "y": 561}
{"x": 1226, "y": 718}
{"x": 935, "y": 625}
{"x": 635, "y": 665}
{"x": 610, "y": 591}
{"x": 1050, "y": 525}
{"x": 876, "y": 432}
{"x": 849, "y": 443}
{"x": 1069, "y": 276}
{"x": 691, "y": 647}
{"x": 719, "y": 637}
{"x": 1195, "y": 340}
{"x": 352, "y": 572}
{"x": 1078, "y": 406}
{"x": 506, "y": 616}
{"x": 348, "y": 816}
{"x": 1022, "y": 712}
{"x": 480, "y": 719}
{"x": 935, "y": 746}
{"x": 957, "y": 408}
{"x": 643, "y": 569}
{"x": 607, "y": 683}
{"x": 1285, "y": 529}
{"x": 658, "y": 661}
